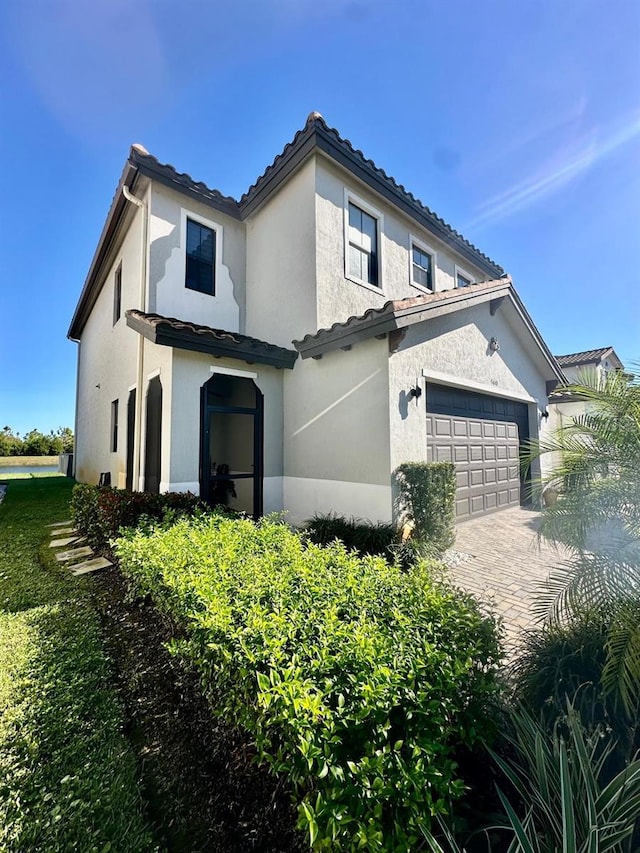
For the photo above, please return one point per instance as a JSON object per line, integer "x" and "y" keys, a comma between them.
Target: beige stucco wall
{"x": 107, "y": 364}
{"x": 281, "y": 286}
{"x": 336, "y": 434}
{"x": 167, "y": 260}
{"x": 454, "y": 350}
{"x": 339, "y": 297}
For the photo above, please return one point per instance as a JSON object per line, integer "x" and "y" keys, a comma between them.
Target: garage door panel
{"x": 484, "y": 449}
{"x": 477, "y": 503}
{"x": 443, "y": 453}
{"x": 443, "y": 426}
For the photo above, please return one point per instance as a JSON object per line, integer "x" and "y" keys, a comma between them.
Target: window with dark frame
{"x": 201, "y": 258}
{"x": 362, "y": 261}
{"x": 462, "y": 280}
{"x": 114, "y": 426}
{"x": 422, "y": 266}
{"x": 117, "y": 294}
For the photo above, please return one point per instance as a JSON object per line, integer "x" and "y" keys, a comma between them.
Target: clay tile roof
{"x": 324, "y": 133}
{"x": 589, "y": 356}
{"x": 169, "y": 331}
{"x": 181, "y": 181}
{"x": 393, "y": 313}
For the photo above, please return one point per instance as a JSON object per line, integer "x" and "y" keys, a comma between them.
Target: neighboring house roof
{"x": 592, "y": 356}
{"x": 315, "y": 136}
{"x": 168, "y": 331}
{"x": 398, "y": 314}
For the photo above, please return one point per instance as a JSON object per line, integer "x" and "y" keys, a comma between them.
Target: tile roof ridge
{"x": 316, "y": 120}
{"x": 139, "y": 154}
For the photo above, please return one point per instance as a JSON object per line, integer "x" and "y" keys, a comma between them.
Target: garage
{"x": 482, "y": 436}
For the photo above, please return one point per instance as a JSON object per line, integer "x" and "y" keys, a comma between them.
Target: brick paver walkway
{"x": 499, "y": 559}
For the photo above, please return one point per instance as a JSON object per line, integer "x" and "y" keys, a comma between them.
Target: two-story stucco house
{"x": 289, "y": 349}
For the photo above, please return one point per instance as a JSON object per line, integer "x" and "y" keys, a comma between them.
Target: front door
{"x": 231, "y": 443}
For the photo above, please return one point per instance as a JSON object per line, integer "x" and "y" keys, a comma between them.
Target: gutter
{"x": 137, "y": 432}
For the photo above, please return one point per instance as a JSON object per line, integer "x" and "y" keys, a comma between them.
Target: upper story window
{"x": 117, "y": 294}
{"x": 362, "y": 249}
{"x": 201, "y": 258}
{"x": 463, "y": 279}
{"x": 423, "y": 263}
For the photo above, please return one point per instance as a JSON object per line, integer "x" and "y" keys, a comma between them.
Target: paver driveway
{"x": 499, "y": 559}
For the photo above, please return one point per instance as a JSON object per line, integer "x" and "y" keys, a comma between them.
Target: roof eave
{"x": 91, "y": 289}
{"x": 164, "y": 335}
{"x": 388, "y": 319}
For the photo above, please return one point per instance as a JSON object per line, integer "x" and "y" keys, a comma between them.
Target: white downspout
{"x": 137, "y": 443}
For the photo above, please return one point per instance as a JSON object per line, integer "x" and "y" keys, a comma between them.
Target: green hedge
{"x": 357, "y": 681}
{"x": 99, "y": 512}
{"x": 425, "y": 495}
{"x": 355, "y": 534}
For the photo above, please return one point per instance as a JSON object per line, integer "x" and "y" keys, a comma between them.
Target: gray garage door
{"x": 481, "y": 435}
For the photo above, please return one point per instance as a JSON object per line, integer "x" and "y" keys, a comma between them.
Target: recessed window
{"x": 117, "y": 294}
{"x": 201, "y": 258}
{"x": 362, "y": 259}
{"x": 463, "y": 278}
{"x": 421, "y": 267}
{"x": 114, "y": 426}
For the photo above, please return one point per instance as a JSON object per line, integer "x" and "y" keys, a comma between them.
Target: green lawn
{"x": 68, "y": 779}
{"x": 10, "y": 461}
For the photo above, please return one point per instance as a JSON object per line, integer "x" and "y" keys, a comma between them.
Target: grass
{"x": 68, "y": 778}
{"x": 11, "y": 461}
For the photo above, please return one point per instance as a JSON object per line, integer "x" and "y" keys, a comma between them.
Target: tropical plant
{"x": 561, "y": 799}
{"x": 567, "y": 660}
{"x": 597, "y": 518}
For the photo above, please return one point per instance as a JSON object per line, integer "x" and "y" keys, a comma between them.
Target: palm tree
{"x": 596, "y": 470}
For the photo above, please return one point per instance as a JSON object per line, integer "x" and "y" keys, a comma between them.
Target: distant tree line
{"x": 36, "y": 443}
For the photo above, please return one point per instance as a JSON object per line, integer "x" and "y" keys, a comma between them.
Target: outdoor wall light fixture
{"x": 494, "y": 346}
{"x": 544, "y": 413}
{"x": 415, "y": 392}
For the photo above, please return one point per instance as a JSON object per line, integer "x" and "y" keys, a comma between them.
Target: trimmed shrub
{"x": 357, "y": 680}
{"x": 365, "y": 537}
{"x": 426, "y": 497}
{"x": 99, "y": 512}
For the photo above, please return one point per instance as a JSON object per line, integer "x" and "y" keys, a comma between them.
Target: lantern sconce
{"x": 415, "y": 392}
{"x": 494, "y": 346}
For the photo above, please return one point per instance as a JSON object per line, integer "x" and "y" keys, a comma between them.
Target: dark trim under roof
{"x": 316, "y": 135}
{"x": 401, "y": 313}
{"x": 170, "y": 332}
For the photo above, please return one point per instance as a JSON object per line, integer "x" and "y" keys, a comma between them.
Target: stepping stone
{"x": 64, "y": 531}
{"x": 65, "y": 556}
{"x": 90, "y": 566}
{"x": 68, "y": 540}
{"x": 67, "y": 523}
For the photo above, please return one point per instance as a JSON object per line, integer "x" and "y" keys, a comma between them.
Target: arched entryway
{"x": 231, "y": 451}
{"x": 153, "y": 440}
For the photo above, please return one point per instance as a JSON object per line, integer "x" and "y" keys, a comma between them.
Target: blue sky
{"x": 518, "y": 122}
